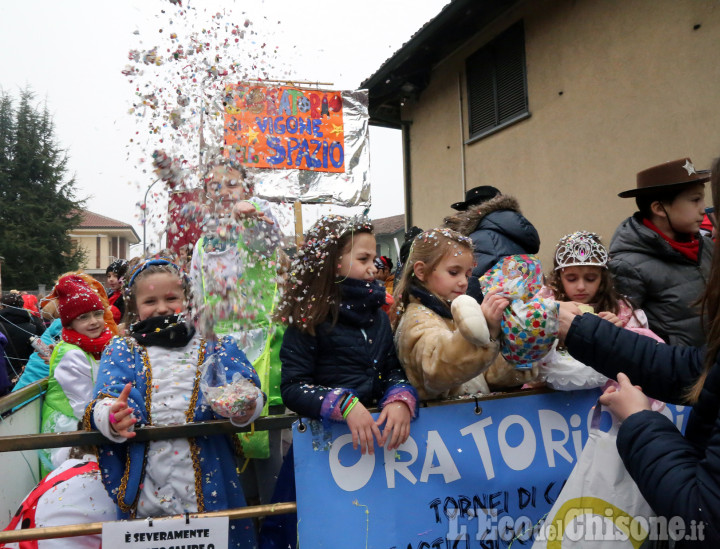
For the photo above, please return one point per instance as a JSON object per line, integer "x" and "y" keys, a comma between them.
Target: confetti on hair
{"x": 311, "y": 260}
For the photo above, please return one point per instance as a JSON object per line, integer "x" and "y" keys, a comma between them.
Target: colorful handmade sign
{"x": 283, "y": 127}
{"x": 306, "y": 144}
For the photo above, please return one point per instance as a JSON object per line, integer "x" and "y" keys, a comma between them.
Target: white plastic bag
{"x": 563, "y": 373}
{"x": 232, "y": 400}
{"x": 600, "y": 505}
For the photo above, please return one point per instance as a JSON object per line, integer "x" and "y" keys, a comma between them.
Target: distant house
{"x": 389, "y": 235}
{"x": 557, "y": 102}
{"x": 104, "y": 240}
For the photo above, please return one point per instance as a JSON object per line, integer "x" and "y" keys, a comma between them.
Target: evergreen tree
{"x": 38, "y": 208}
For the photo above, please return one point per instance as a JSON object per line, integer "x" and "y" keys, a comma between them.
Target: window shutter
{"x": 481, "y": 88}
{"x": 510, "y": 56}
{"x": 496, "y": 81}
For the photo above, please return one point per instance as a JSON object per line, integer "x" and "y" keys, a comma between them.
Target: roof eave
{"x": 407, "y": 73}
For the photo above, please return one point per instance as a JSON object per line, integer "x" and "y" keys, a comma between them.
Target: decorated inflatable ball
{"x": 530, "y": 322}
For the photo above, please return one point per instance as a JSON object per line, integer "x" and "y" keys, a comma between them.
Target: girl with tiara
{"x": 581, "y": 275}
{"x": 337, "y": 354}
{"x": 444, "y": 339}
{"x": 153, "y": 377}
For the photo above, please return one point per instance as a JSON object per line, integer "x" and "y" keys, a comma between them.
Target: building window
{"x": 497, "y": 83}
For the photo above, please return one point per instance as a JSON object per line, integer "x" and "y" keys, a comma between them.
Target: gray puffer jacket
{"x": 661, "y": 281}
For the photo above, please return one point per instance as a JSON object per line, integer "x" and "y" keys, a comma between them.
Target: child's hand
{"x": 568, "y": 311}
{"x": 245, "y": 209}
{"x": 398, "y": 415}
{"x": 492, "y": 307}
{"x": 46, "y": 358}
{"x": 121, "y": 416}
{"x": 624, "y": 400}
{"x": 245, "y": 418}
{"x": 610, "y": 317}
{"x": 363, "y": 428}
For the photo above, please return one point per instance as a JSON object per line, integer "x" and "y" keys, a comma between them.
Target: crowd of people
{"x": 335, "y": 331}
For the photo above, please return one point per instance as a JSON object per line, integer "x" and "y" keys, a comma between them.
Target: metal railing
{"x": 147, "y": 433}
{"x": 90, "y": 528}
{"x": 189, "y": 430}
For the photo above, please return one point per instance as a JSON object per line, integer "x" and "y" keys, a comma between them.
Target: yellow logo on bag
{"x": 576, "y": 507}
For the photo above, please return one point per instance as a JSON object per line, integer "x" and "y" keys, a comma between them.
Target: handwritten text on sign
{"x": 285, "y": 128}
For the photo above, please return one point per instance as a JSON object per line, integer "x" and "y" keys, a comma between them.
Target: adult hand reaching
{"x": 625, "y": 400}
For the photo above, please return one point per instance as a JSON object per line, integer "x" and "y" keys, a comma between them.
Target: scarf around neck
{"x": 359, "y": 300}
{"x": 431, "y": 301}
{"x": 690, "y": 249}
{"x": 94, "y": 346}
{"x": 164, "y": 331}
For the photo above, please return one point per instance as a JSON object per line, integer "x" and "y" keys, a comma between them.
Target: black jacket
{"x": 679, "y": 475}
{"x": 357, "y": 353}
{"x": 19, "y": 325}
{"x": 660, "y": 280}
{"x": 497, "y": 229}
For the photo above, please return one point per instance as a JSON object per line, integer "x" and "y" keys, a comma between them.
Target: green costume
{"x": 57, "y": 414}
{"x": 260, "y": 286}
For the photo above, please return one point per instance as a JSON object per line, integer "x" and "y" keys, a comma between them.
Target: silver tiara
{"x": 579, "y": 249}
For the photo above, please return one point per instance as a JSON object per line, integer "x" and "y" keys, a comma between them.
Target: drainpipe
{"x": 407, "y": 174}
{"x": 462, "y": 137}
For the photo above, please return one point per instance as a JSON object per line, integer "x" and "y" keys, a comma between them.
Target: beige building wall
{"x": 89, "y": 242}
{"x": 614, "y": 86}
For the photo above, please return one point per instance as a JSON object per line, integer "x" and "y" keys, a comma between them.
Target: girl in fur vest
{"x": 444, "y": 339}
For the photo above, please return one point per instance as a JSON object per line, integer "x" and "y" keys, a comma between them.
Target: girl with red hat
{"x": 88, "y": 326}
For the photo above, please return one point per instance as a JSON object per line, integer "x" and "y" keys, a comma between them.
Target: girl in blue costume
{"x": 338, "y": 356}
{"x": 153, "y": 378}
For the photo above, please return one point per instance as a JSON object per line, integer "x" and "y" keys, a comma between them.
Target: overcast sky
{"x": 71, "y": 53}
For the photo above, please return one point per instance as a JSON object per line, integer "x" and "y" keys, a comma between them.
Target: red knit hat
{"x": 74, "y": 298}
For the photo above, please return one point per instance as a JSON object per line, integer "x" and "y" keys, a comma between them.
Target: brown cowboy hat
{"x": 667, "y": 176}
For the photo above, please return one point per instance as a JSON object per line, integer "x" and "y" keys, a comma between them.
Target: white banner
{"x": 195, "y": 533}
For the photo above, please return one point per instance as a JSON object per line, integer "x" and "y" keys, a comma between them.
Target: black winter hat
{"x": 476, "y": 195}
{"x": 119, "y": 267}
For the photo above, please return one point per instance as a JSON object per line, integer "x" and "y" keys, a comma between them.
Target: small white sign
{"x": 197, "y": 533}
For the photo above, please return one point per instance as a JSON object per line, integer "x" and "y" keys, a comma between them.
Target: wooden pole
{"x": 292, "y": 82}
{"x": 71, "y": 530}
{"x": 298, "y": 223}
